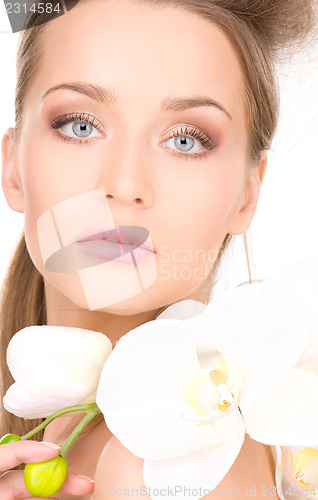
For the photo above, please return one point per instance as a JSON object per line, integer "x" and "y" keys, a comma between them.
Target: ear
{"x": 11, "y": 182}
{"x": 246, "y": 212}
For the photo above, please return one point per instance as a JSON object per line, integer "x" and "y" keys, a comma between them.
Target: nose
{"x": 127, "y": 178}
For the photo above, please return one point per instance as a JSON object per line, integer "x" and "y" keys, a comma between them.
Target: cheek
{"x": 38, "y": 176}
{"x": 43, "y": 185}
{"x": 200, "y": 213}
{"x": 49, "y": 178}
{"x": 51, "y": 172}
{"x": 203, "y": 208}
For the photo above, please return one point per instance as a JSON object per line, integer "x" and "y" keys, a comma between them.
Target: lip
{"x": 126, "y": 244}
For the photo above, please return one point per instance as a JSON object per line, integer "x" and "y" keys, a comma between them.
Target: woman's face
{"x": 133, "y": 135}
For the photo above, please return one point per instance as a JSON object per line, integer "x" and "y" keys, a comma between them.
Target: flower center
{"x": 212, "y": 393}
{"x": 306, "y": 468}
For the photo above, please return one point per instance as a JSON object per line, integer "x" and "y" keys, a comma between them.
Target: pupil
{"x": 82, "y": 129}
{"x": 184, "y": 143}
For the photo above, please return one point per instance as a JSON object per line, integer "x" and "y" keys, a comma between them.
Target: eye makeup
{"x": 78, "y": 117}
{"x": 195, "y": 133}
{"x": 183, "y": 131}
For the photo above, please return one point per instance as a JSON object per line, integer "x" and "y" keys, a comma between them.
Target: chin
{"x": 68, "y": 293}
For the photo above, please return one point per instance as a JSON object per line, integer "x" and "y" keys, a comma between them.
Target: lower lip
{"x": 107, "y": 250}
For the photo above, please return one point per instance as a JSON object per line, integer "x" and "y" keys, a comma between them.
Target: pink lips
{"x": 125, "y": 244}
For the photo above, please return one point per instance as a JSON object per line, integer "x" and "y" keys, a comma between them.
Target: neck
{"x": 61, "y": 311}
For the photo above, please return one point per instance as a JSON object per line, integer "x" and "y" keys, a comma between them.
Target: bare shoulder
{"x": 252, "y": 474}
{"x": 117, "y": 470}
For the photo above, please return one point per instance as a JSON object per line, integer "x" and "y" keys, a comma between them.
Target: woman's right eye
{"x": 81, "y": 130}
{"x": 78, "y": 127}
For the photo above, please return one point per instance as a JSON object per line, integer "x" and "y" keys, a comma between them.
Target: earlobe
{"x": 247, "y": 210}
{"x": 11, "y": 183}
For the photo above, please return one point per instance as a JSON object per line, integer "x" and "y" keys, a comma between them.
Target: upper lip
{"x": 136, "y": 236}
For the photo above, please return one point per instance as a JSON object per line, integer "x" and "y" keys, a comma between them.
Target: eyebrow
{"x": 183, "y": 103}
{"x": 107, "y": 96}
{"x": 95, "y": 92}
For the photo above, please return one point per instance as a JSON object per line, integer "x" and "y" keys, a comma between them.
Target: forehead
{"x": 143, "y": 53}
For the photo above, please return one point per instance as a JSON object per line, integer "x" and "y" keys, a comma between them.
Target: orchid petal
{"x": 261, "y": 331}
{"x": 289, "y": 415}
{"x": 195, "y": 474}
{"x": 206, "y": 347}
{"x": 306, "y": 467}
{"x": 293, "y": 462}
{"x": 27, "y": 405}
{"x": 285, "y": 483}
{"x": 279, "y": 473}
{"x": 310, "y": 355}
{"x": 183, "y": 310}
{"x": 142, "y": 392}
{"x": 303, "y": 274}
{"x": 61, "y": 362}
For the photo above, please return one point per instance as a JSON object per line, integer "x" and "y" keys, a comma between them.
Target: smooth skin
{"x": 187, "y": 203}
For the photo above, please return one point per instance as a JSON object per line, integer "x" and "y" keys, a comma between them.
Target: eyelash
{"x": 196, "y": 134}
{"x": 183, "y": 131}
{"x": 75, "y": 117}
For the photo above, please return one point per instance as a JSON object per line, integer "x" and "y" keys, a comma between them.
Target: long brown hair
{"x": 258, "y": 30}
{"x": 22, "y": 304}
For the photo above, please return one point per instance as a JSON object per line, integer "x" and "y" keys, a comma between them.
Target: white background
{"x": 284, "y": 229}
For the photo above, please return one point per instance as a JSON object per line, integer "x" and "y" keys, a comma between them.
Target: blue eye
{"x": 189, "y": 142}
{"x": 82, "y": 129}
{"x": 77, "y": 127}
{"x": 185, "y": 144}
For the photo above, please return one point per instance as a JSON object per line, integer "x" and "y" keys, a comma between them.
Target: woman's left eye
{"x": 188, "y": 141}
{"x": 77, "y": 128}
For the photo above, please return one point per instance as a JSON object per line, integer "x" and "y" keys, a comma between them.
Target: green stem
{"x": 79, "y": 428}
{"x": 52, "y": 417}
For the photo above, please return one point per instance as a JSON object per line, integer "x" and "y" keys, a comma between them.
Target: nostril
{"x": 138, "y": 200}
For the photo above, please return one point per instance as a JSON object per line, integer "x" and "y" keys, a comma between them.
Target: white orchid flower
{"x": 297, "y": 472}
{"x": 304, "y": 274}
{"x": 54, "y": 367}
{"x": 292, "y": 408}
{"x": 173, "y": 392}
